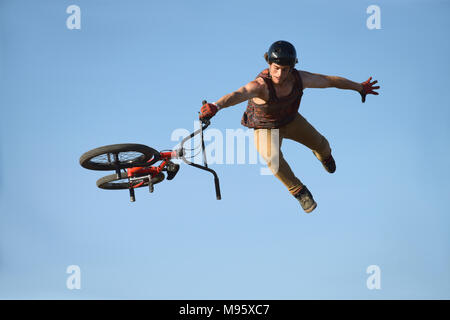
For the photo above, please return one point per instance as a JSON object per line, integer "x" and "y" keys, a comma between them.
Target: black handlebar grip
{"x": 205, "y": 119}
{"x": 216, "y": 182}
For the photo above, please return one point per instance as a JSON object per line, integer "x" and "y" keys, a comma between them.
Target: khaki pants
{"x": 268, "y": 143}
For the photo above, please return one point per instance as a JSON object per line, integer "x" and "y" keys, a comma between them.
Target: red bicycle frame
{"x": 151, "y": 171}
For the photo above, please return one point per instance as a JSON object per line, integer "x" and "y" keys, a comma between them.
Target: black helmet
{"x": 282, "y": 53}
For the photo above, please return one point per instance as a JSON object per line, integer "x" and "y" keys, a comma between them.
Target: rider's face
{"x": 279, "y": 73}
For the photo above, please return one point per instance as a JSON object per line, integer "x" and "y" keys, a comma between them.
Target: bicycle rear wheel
{"x": 111, "y": 182}
{"x": 119, "y": 156}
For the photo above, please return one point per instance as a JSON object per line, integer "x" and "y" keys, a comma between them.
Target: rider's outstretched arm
{"x": 250, "y": 90}
{"x": 315, "y": 80}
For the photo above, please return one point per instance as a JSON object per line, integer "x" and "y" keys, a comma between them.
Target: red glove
{"x": 368, "y": 89}
{"x": 208, "y": 111}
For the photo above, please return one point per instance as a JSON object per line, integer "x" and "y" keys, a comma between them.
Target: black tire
{"x": 111, "y": 182}
{"x": 129, "y": 155}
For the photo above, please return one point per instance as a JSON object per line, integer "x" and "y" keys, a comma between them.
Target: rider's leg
{"x": 268, "y": 143}
{"x": 302, "y": 131}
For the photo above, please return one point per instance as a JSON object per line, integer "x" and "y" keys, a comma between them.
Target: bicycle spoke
{"x": 134, "y": 184}
{"x": 129, "y": 156}
{"x": 107, "y": 158}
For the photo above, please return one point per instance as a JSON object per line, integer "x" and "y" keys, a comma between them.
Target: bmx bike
{"x": 134, "y": 164}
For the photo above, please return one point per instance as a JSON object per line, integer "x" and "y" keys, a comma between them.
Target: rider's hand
{"x": 208, "y": 111}
{"x": 367, "y": 88}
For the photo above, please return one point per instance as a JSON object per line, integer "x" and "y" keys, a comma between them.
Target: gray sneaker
{"x": 306, "y": 199}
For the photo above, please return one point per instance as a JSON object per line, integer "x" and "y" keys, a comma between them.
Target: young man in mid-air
{"x": 272, "y": 111}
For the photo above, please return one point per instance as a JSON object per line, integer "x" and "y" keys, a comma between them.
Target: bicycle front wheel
{"x": 119, "y": 156}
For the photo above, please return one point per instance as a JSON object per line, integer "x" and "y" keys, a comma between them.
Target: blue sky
{"x": 138, "y": 70}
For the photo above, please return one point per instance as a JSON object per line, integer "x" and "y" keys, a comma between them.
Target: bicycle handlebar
{"x": 180, "y": 152}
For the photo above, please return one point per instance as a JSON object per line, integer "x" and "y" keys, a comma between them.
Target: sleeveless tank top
{"x": 277, "y": 111}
